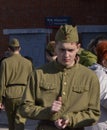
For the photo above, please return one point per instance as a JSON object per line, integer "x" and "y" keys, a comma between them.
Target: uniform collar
{"x": 62, "y": 67}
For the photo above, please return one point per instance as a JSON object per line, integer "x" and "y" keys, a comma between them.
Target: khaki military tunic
{"x": 78, "y": 86}
{"x": 14, "y": 73}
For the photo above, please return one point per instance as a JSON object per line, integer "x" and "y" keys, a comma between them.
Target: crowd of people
{"x": 69, "y": 92}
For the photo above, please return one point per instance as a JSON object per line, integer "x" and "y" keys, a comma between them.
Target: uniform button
{"x": 65, "y": 73}
{"x": 63, "y": 93}
{"x": 65, "y": 83}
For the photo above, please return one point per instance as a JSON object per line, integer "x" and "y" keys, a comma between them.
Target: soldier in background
{"x": 14, "y": 72}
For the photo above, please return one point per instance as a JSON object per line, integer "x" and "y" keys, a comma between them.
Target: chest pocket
{"x": 47, "y": 87}
{"x": 80, "y": 89}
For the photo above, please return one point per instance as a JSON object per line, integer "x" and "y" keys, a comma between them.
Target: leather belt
{"x": 11, "y": 85}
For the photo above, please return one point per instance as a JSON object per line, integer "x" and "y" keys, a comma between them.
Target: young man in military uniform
{"x": 14, "y": 73}
{"x": 63, "y": 94}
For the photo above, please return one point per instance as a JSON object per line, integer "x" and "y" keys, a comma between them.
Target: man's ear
{"x": 78, "y": 46}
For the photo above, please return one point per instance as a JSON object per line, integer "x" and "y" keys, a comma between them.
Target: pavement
{"x": 30, "y": 124}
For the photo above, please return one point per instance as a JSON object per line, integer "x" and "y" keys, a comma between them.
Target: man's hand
{"x": 61, "y": 123}
{"x": 56, "y": 105}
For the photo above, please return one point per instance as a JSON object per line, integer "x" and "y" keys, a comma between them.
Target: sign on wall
{"x": 55, "y": 22}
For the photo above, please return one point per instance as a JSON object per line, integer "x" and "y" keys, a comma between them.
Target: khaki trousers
{"x": 15, "y": 120}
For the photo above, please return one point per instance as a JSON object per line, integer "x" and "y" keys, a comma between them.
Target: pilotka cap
{"x": 14, "y": 43}
{"x": 67, "y": 34}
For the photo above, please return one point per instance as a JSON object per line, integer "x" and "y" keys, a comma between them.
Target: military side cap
{"x": 67, "y": 34}
{"x": 14, "y": 43}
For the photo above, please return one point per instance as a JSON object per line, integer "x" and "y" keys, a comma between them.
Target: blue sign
{"x": 55, "y": 22}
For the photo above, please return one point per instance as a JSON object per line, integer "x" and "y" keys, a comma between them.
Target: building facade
{"x": 35, "y": 22}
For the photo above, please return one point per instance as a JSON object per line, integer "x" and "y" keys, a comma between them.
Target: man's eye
{"x": 62, "y": 50}
{"x": 70, "y": 50}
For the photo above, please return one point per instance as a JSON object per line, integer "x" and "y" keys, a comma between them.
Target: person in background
{"x": 100, "y": 68}
{"x": 50, "y": 51}
{"x": 94, "y": 42}
{"x": 14, "y": 72}
{"x": 63, "y": 94}
{"x": 86, "y": 57}
{"x": 6, "y": 54}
